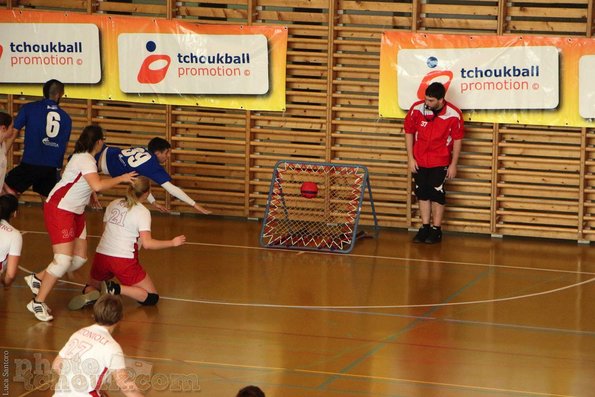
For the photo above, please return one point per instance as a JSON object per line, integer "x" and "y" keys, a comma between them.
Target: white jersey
{"x": 122, "y": 229}
{"x": 72, "y": 192}
{"x": 11, "y": 242}
{"x": 3, "y": 162}
{"x": 88, "y": 358}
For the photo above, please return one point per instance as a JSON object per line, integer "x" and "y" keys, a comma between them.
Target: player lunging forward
{"x": 127, "y": 223}
{"x": 148, "y": 162}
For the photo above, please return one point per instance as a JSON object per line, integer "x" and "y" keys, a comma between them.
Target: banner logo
{"x": 154, "y": 67}
{"x": 194, "y": 63}
{"x": 37, "y": 52}
{"x": 440, "y": 76}
{"x": 524, "y": 77}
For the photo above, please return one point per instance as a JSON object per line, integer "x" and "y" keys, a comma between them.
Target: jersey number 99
{"x": 136, "y": 156}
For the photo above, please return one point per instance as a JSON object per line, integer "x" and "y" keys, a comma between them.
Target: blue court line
{"x": 403, "y": 330}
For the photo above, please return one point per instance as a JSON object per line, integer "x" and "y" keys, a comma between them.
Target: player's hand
{"x": 202, "y": 209}
{"x": 161, "y": 208}
{"x": 94, "y": 202}
{"x": 179, "y": 240}
{"x": 128, "y": 177}
{"x": 413, "y": 166}
{"x": 451, "y": 171}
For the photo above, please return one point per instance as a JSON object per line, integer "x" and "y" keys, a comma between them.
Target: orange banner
{"x": 501, "y": 79}
{"x": 144, "y": 59}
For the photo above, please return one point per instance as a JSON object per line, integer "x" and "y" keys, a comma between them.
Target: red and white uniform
{"x": 11, "y": 242}
{"x": 64, "y": 210}
{"x": 72, "y": 192}
{"x": 88, "y": 357}
{"x": 434, "y": 135}
{"x": 117, "y": 252}
{"x": 122, "y": 229}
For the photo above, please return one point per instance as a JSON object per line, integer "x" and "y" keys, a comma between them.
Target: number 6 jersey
{"x": 47, "y": 131}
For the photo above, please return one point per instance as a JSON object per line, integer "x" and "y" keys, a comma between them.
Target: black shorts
{"x": 41, "y": 177}
{"x": 429, "y": 184}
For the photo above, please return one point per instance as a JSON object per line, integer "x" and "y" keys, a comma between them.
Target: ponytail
{"x": 140, "y": 186}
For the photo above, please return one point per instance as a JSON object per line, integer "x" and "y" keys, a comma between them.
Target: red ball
{"x": 309, "y": 190}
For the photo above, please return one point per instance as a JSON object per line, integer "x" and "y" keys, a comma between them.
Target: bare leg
{"x": 139, "y": 291}
{"x": 49, "y": 280}
{"x": 425, "y": 208}
{"x": 437, "y": 213}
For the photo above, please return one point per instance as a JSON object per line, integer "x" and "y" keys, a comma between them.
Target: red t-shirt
{"x": 434, "y": 135}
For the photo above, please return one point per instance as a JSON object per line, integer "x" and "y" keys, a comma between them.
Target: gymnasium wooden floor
{"x": 474, "y": 316}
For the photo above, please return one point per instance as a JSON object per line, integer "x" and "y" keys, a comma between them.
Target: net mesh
{"x": 299, "y": 217}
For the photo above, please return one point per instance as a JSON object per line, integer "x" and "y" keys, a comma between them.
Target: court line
{"x": 301, "y": 252}
{"x": 305, "y": 371}
{"x": 272, "y": 305}
{"x": 391, "y": 338}
{"x": 341, "y": 374}
{"x": 349, "y": 307}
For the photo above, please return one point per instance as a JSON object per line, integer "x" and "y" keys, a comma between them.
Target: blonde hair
{"x": 136, "y": 189}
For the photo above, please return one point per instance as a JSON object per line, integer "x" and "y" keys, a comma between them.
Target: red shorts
{"x": 127, "y": 270}
{"x": 63, "y": 226}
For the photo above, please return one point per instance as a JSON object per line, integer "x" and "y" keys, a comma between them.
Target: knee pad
{"x": 151, "y": 300}
{"x": 77, "y": 263}
{"x": 60, "y": 265}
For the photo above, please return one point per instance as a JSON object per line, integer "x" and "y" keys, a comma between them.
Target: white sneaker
{"x": 33, "y": 282}
{"x": 80, "y": 301}
{"x": 41, "y": 310}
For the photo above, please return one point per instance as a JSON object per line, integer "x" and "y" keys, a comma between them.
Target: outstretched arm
{"x": 180, "y": 195}
{"x": 154, "y": 203}
{"x": 98, "y": 184}
{"x": 150, "y": 243}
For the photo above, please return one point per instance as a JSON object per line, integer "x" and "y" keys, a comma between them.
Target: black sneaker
{"x": 422, "y": 235}
{"x": 110, "y": 287}
{"x": 435, "y": 236}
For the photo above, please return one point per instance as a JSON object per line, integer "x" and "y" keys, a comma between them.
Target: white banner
{"x": 193, "y": 63}
{"x": 29, "y": 52}
{"x": 586, "y": 86}
{"x": 524, "y": 77}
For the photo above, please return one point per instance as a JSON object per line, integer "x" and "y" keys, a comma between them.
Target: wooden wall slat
{"x": 53, "y": 5}
{"x": 517, "y": 180}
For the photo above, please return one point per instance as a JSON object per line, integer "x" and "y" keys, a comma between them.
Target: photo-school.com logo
{"x": 482, "y": 78}
{"x": 193, "y": 63}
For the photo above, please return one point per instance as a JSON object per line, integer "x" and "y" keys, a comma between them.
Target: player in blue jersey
{"x": 47, "y": 131}
{"x": 148, "y": 162}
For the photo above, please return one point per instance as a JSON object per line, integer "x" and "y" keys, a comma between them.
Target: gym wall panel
{"x": 519, "y": 180}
